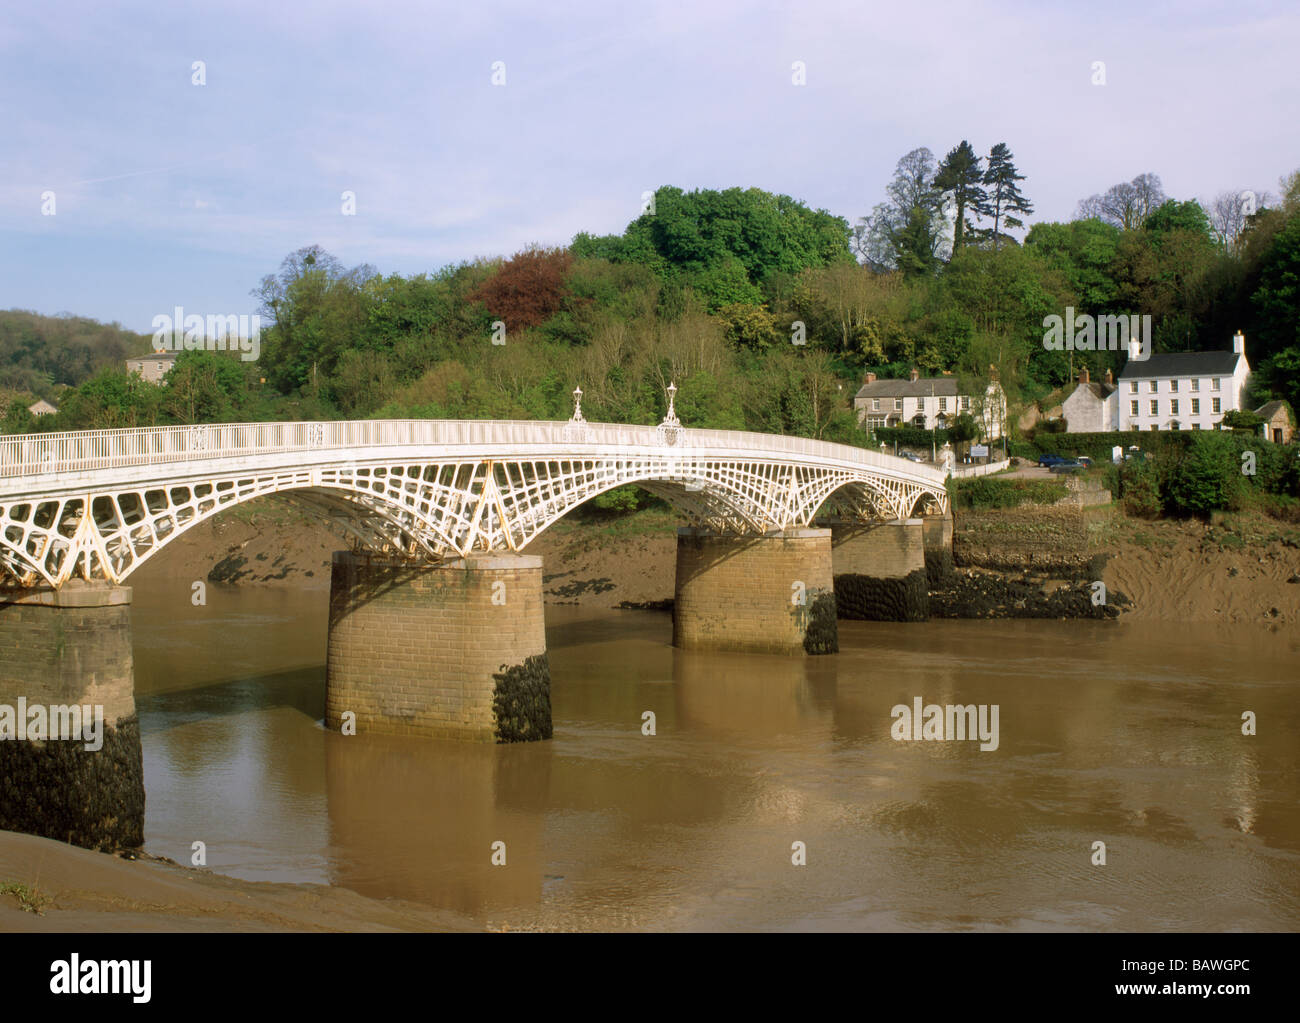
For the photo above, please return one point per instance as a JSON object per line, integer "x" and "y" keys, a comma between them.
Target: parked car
{"x": 913, "y": 458}
{"x": 1070, "y": 465}
{"x": 1047, "y": 461}
{"x": 1085, "y": 460}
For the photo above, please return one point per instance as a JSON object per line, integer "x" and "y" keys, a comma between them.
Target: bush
{"x": 1137, "y": 487}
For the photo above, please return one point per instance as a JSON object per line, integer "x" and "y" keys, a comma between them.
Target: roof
{"x": 1269, "y": 409}
{"x": 1182, "y": 364}
{"x": 154, "y": 357}
{"x": 1099, "y": 390}
{"x": 921, "y": 388}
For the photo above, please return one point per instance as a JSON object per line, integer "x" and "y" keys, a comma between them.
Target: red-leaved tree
{"x": 528, "y": 289}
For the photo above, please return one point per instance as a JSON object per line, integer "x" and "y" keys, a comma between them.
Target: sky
{"x": 169, "y": 193}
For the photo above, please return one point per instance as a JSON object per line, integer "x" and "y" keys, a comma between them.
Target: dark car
{"x": 1047, "y": 461}
{"x": 1067, "y": 465}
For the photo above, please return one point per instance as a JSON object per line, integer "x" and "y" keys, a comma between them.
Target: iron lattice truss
{"x": 434, "y": 509}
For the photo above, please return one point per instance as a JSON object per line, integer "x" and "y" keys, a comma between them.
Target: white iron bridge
{"x": 98, "y": 504}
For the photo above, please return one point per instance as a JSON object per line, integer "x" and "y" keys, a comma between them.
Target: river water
{"x": 1126, "y": 734}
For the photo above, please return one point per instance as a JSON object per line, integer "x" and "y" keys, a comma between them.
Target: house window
{"x": 1153, "y": 386}
{"x": 1196, "y": 383}
{"x": 875, "y": 422}
{"x": 965, "y": 403}
{"x": 1132, "y": 387}
{"x": 1174, "y": 425}
{"x": 1173, "y": 406}
{"x": 1196, "y": 426}
{"x": 1155, "y": 407}
{"x": 1154, "y": 427}
{"x": 1214, "y": 383}
{"x": 1133, "y": 408}
{"x": 875, "y": 404}
{"x": 898, "y": 404}
{"x": 943, "y": 404}
{"x": 1196, "y": 405}
{"x": 1173, "y": 384}
{"x": 918, "y": 421}
{"x": 1216, "y": 406}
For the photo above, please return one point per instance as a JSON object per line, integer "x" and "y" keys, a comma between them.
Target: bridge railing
{"x": 81, "y": 451}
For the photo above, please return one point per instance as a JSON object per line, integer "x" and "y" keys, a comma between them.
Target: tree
{"x": 203, "y": 387}
{"x": 907, "y": 231}
{"x": 1003, "y": 197}
{"x": 1229, "y": 213}
{"x": 528, "y": 288}
{"x": 724, "y": 244}
{"x": 1125, "y": 205}
{"x": 319, "y": 309}
{"x": 961, "y": 176}
{"x": 1172, "y": 215}
{"x": 1083, "y": 251}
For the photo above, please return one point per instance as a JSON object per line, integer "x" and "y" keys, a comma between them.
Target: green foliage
{"x": 910, "y": 436}
{"x": 1243, "y": 420}
{"x": 37, "y": 352}
{"x": 724, "y": 244}
{"x": 1207, "y": 477}
{"x": 996, "y": 492}
{"x": 1138, "y": 487}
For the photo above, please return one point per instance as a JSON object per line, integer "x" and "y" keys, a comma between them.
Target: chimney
{"x": 1239, "y": 343}
{"x": 1110, "y": 378}
{"x": 915, "y": 375}
{"x": 1083, "y": 375}
{"x": 868, "y": 378}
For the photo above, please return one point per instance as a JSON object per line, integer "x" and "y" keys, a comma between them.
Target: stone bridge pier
{"x": 936, "y": 531}
{"x": 880, "y": 570}
{"x": 70, "y": 760}
{"x": 772, "y": 593}
{"x": 454, "y": 650}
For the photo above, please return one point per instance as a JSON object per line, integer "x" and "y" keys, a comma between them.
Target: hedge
{"x": 910, "y": 436}
{"x": 1097, "y": 446}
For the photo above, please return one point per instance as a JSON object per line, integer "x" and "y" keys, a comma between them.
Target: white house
{"x": 1181, "y": 390}
{"x": 928, "y": 403}
{"x": 1090, "y": 408}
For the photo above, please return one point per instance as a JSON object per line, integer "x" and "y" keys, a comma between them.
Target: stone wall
{"x": 1059, "y": 539}
{"x": 936, "y": 532}
{"x": 759, "y": 594}
{"x": 456, "y": 651}
{"x": 72, "y": 647}
{"x": 880, "y": 570}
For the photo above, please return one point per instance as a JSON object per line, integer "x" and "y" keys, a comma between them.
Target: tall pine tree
{"x": 1004, "y": 196}
{"x": 961, "y": 175}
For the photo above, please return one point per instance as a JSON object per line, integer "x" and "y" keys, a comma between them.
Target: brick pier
{"x": 759, "y": 594}
{"x": 60, "y": 649}
{"x": 880, "y": 570}
{"x": 454, "y": 651}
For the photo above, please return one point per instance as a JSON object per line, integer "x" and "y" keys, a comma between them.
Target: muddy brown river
{"x": 1124, "y": 734}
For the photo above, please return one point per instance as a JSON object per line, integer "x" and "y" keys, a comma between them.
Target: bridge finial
{"x": 671, "y": 419}
{"x": 577, "y": 418}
